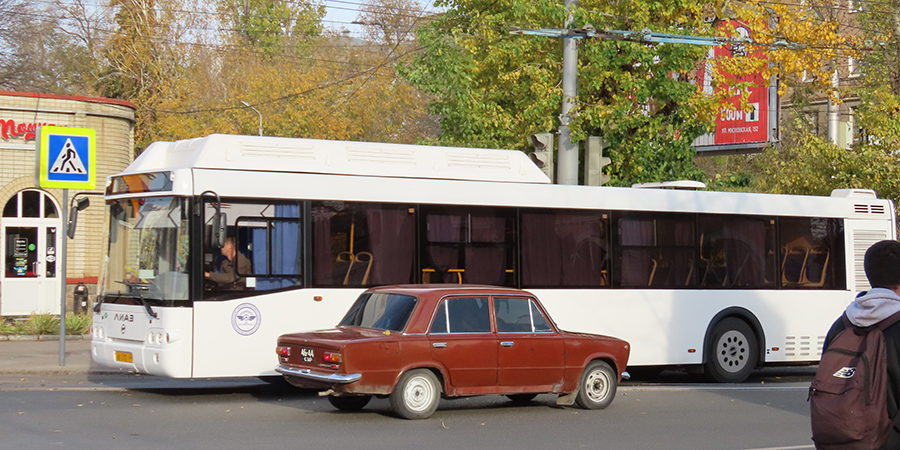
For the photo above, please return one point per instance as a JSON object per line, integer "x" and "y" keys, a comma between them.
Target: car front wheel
{"x": 521, "y": 398}
{"x": 349, "y": 402}
{"x": 598, "y": 386}
{"x": 416, "y": 395}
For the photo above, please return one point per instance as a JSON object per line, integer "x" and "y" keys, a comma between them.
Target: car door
{"x": 462, "y": 340}
{"x": 530, "y": 351}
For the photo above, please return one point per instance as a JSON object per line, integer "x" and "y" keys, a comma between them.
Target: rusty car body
{"x": 418, "y": 343}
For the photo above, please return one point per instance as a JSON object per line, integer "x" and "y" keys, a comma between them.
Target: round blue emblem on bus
{"x": 246, "y": 319}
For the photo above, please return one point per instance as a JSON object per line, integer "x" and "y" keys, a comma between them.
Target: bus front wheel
{"x": 731, "y": 352}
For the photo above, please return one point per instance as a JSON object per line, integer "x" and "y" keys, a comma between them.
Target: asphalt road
{"x": 671, "y": 411}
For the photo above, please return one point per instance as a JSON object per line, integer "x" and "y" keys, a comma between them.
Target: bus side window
{"x": 471, "y": 245}
{"x": 565, "y": 248}
{"x": 362, "y": 244}
{"x": 809, "y": 250}
{"x": 269, "y": 236}
{"x": 734, "y": 252}
{"x": 656, "y": 250}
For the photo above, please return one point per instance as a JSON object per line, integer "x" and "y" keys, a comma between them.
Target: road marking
{"x": 65, "y": 388}
{"x": 804, "y": 387}
{"x": 795, "y": 447}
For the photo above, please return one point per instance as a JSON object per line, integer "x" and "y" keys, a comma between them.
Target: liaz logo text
{"x": 122, "y": 317}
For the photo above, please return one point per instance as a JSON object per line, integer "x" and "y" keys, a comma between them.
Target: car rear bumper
{"x": 318, "y": 377}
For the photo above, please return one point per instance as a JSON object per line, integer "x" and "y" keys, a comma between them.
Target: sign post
{"x": 65, "y": 158}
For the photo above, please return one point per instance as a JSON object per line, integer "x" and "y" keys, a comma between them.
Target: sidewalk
{"x": 32, "y": 356}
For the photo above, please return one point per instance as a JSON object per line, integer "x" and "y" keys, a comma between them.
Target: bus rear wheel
{"x": 731, "y": 352}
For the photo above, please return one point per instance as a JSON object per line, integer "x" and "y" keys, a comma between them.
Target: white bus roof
{"x": 275, "y": 154}
{"x": 677, "y": 184}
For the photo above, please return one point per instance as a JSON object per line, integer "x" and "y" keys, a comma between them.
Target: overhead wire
{"x": 416, "y": 15}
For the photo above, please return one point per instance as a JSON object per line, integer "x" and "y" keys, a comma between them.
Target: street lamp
{"x": 257, "y": 112}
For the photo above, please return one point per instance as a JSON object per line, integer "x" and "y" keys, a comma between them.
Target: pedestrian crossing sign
{"x": 66, "y": 157}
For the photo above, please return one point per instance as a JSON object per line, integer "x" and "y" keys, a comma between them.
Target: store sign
{"x": 9, "y": 129}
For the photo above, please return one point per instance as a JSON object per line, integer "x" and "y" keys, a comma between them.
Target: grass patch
{"x": 46, "y": 324}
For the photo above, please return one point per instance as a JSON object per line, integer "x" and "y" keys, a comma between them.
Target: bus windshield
{"x": 148, "y": 249}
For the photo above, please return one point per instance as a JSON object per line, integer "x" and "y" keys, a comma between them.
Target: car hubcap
{"x": 597, "y": 385}
{"x": 732, "y": 354}
{"x": 419, "y": 394}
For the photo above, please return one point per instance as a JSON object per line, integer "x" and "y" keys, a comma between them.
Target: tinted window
{"x": 519, "y": 315}
{"x": 381, "y": 311}
{"x": 565, "y": 248}
{"x": 655, "y": 250}
{"x": 812, "y": 253}
{"x": 736, "y": 252}
{"x": 471, "y": 245}
{"x": 462, "y": 315}
{"x": 357, "y": 244}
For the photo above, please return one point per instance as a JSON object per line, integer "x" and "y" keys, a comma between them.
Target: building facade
{"x": 31, "y": 228}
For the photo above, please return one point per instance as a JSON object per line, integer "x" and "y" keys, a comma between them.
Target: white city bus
{"x": 726, "y": 282}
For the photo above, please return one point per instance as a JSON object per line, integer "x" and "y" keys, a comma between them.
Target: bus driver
{"x": 227, "y": 276}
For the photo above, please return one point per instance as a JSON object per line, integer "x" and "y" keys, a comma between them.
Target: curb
{"x": 43, "y": 337}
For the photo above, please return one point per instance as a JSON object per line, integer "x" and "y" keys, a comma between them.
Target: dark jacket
{"x": 867, "y": 309}
{"x": 227, "y": 275}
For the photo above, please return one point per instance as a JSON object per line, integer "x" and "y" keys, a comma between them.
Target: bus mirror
{"x": 79, "y": 205}
{"x": 219, "y": 227}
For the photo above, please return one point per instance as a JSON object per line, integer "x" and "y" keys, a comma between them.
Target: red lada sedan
{"x": 416, "y": 344}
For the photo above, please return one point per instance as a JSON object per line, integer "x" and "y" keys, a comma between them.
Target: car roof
{"x": 448, "y": 289}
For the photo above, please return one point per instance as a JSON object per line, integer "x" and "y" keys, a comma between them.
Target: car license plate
{"x": 126, "y": 357}
{"x": 307, "y": 355}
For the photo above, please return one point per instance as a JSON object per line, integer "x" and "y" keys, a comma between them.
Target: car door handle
{"x": 439, "y": 344}
{"x": 507, "y": 343}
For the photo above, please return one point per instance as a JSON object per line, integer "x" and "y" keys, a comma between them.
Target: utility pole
{"x": 567, "y": 167}
{"x": 833, "y": 110}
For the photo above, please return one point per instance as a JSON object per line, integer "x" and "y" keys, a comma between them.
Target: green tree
{"x": 491, "y": 89}
{"x": 273, "y": 26}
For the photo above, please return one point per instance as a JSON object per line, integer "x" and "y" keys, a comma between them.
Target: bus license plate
{"x": 126, "y": 357}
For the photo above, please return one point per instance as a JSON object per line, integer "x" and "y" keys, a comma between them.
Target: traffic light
{"x": 594, "y": 162}
{"x": 543, "y": 152}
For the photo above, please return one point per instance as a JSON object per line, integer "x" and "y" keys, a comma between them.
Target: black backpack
{"x": 848, "y": 396}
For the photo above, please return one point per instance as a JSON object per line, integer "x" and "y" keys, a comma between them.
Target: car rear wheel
{"x": 416, "y": 395}
{"x": 598, "y": 386}
{"x": 349, "y": 402}
{"x": 521, "y": 398}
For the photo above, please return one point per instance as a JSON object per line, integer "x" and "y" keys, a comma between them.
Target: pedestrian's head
{"x": 882, "y": 264}
{"x": 228, "y": 248}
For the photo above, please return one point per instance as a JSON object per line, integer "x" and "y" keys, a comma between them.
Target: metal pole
{"x": 567, "y": 172}
{"x": 257, "y": 113}
{"x": 833, "y": 110}
{"x": 61, "y": 275}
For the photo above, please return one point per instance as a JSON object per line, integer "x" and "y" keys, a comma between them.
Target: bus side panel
{"x": 860, "y": 235}
{"x": 158, "y": 346}
{"x": 239, "y": 335}
{"x": 668, "y": 327}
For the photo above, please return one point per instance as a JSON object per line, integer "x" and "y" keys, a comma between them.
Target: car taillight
{"x": 334, "y": 358}
{"x": 283, "y": 353}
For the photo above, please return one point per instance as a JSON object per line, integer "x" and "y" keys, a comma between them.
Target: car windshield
{"x": 381, "y": 311}
{"x": 148, "y": 248}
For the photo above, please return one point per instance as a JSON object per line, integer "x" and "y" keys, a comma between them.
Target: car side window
{"x": 462, "y": 315}
{"x": 519, "y": 315}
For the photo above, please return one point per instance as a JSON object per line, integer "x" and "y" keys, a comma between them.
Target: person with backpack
{"x": 855, "y": 395}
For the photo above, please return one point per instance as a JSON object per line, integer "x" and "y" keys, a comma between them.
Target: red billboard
{"x": 738, "y": 127}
